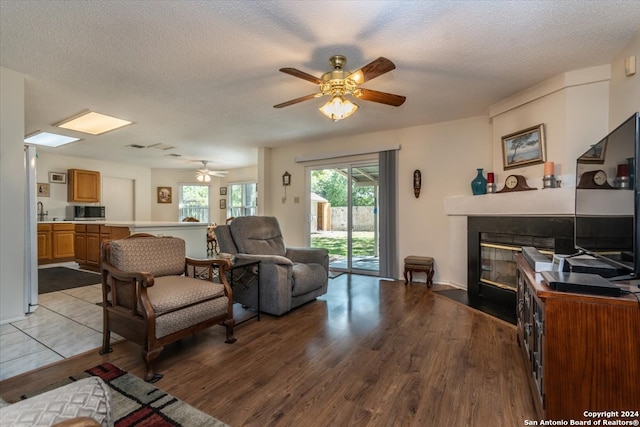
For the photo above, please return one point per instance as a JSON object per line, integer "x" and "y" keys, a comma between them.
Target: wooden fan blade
{"x": 301, "y": 75}
{"x": 372, "y": 70}
{"x": 381, "y": 97}
{"x": 295, "y": 101}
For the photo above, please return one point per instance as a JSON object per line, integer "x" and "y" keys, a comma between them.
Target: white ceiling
{"x": 202, "y": 76}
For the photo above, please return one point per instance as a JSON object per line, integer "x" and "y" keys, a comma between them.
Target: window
{"x": 194, "y": 202}
{"x": 243, "y": 198}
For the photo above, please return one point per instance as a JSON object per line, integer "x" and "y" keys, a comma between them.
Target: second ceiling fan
{"x": 204, "y": 174}
{"x": 340, "y": 82}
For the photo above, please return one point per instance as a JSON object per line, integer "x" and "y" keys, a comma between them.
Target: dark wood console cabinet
{"x": 582, "y": 351}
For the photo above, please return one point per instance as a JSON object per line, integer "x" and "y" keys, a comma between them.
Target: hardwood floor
{"x": 369, "y": 353}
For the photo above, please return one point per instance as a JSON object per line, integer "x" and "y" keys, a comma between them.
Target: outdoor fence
{"x": 363, "y": 218}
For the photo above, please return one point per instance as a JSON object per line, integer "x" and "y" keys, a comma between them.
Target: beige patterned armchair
{"x": 153, "y": 295}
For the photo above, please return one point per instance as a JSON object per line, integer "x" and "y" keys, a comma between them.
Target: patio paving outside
{"x": 364, "y": 257}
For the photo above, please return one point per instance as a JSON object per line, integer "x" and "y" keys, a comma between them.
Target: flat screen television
{"x": 607, "y": 198}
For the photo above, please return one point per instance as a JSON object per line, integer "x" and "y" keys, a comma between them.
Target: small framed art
{"x": 43, "y": 190}
{"x": 524, "y": 148}
{"x": 223, "y": 203}
{"x": 164, "y": 194}
{"x": 223, "y": 191}
{"x": 58, "y": 177}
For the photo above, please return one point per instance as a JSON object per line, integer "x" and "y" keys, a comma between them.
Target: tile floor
{"x": 66, "y": 323}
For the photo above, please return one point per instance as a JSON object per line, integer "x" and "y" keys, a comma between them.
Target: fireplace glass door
{"x": 498, "y": 265}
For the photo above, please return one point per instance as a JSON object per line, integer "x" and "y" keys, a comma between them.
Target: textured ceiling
{"x": 202, "y": 76}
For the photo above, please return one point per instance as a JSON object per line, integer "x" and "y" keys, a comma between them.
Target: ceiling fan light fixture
{"x": 338, "y": 108}
{"x": 201, "y": 177}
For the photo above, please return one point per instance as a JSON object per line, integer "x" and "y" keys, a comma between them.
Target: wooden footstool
{"x": 415, "y": 263}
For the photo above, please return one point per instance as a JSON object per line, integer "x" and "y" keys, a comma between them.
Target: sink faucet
{"x": 41, "y": 212}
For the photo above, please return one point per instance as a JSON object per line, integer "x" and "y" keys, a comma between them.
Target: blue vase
{"x": 479, "y": 184}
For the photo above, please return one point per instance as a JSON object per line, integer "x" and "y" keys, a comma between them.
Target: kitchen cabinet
{"x": 88, "y": 241}
{"x": 62, "y": 241}
{"x": 581, "y": 351}
{"x": 93, "y": 245}
{"x": 80, "y": 244}
{"x": 44, "y": 243}
{"x": 55, "y": 243}
{"x": 83, "y": 185}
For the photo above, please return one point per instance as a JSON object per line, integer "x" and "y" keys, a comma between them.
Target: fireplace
{"x": 492, "y": 242}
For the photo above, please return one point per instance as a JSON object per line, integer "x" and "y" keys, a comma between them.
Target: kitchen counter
{"x": 193, "y": 233}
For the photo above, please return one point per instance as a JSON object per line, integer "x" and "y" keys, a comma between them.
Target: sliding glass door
{"x": 344, "y": 215}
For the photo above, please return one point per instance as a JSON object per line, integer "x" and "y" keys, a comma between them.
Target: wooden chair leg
{"x": 106, "y": 337}
{"x": 148, "y": 357}
{"x": 229, "y": 324}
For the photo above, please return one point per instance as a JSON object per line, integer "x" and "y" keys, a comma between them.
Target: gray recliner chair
{"x": 289, "y": 277}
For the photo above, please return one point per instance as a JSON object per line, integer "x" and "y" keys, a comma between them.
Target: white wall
{"x": 447, "y": 155}
{"x": 173, "y": 177}
{"x": 625, "y": 90}
{"x": 12, "y": 196}
{"x": 574, "y": 108}
{"x": 57, "y": 202}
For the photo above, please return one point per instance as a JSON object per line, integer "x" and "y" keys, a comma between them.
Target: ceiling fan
{"x": 340, "y": 82}
{"x": 204, "y": 174}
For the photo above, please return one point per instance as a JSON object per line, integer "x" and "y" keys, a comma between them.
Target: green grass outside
{"x": 338, "y": 245}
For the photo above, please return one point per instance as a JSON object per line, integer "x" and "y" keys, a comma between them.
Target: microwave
{"x": 85, "y": 213}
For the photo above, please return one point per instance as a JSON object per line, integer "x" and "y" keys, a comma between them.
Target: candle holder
{"x": 622, "y": 179}
{"x": 549, "y": 181}
{"x": 491, "y": 185}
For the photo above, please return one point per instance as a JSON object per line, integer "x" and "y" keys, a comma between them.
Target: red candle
{"x": 548, "y": 168}
{"x": 490, "y": 178}
{"x": 623, "y": 169}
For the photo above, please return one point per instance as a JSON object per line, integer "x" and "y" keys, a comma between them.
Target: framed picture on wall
{"x": 524, "y": 148}
{"x": 43, "y": 190}
{"x": 223, "y": 203}
{"x": 223, "y": 191}
{"x": 164, "y": 194}
{"x": 58, "y": 177}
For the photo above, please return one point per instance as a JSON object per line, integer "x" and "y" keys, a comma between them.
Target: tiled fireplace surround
{"x": 524, "y": 215}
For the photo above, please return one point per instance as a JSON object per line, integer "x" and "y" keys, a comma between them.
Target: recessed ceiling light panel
{"x": 49, "y": 139}
{"x": 93, "y": 123}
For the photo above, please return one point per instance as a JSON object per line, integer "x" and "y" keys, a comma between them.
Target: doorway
{"x": 344, "y": 215}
